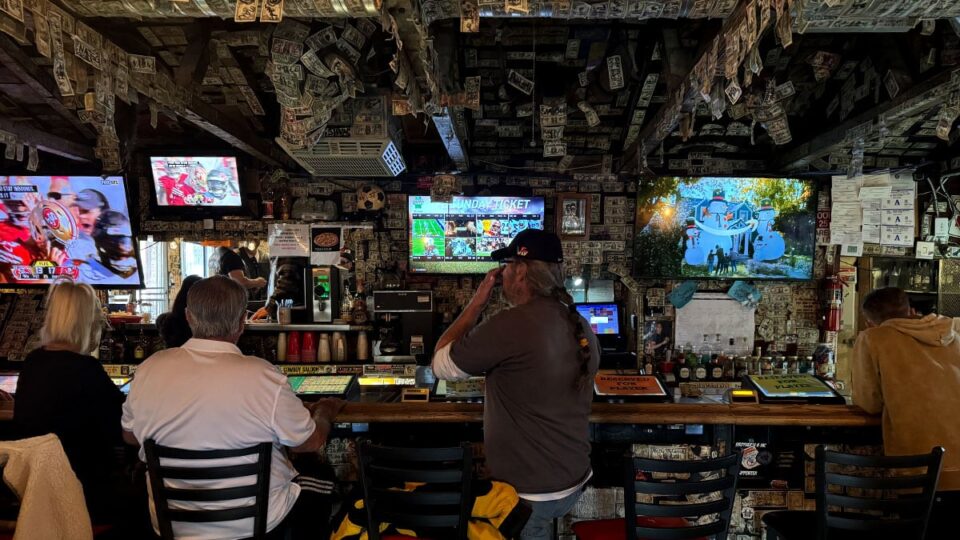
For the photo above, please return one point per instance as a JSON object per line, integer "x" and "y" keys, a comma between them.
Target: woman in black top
{"x": 173, "y": 327}
{"x": 65, "y": 391}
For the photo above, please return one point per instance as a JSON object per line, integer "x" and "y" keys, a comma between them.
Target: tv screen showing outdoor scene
{"x": 726, "y": 228}
{"x": 196, "y": 181}
{"x": 458, "y": 237}
{"x": 66, "y": 227}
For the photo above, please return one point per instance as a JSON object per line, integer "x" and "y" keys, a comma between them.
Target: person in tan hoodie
{"x": 907, "y": 367}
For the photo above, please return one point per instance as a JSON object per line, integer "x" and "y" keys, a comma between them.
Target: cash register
{"x": 606, "y": 323}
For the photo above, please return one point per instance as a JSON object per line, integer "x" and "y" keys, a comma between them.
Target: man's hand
{"x": 482, "y": 296}
{"x": 326, "y": 408}
{"x": 260, "y": 282}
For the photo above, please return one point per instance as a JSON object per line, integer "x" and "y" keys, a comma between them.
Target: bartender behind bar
{"x": 539, "y": 358}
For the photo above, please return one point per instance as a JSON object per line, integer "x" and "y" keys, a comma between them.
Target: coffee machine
{"x": 405, "y": 323}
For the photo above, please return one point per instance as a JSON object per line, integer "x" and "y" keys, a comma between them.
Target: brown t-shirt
{"x": 536, "y": 421}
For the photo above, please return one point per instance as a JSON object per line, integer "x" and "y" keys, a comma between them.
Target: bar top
{"x": 630, "y": 413}
{"x": 609, "y": 413}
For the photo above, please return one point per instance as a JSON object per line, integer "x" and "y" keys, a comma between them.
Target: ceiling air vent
{"x": 333, "y": 156}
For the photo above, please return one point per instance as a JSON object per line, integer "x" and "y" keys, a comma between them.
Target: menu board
{"x": 606, "y": 384}
{"x": 801, "y": 385}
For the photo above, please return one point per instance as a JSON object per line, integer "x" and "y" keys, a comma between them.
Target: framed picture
{"x": 656, "y": 337}
{"x": 573, "y": 216}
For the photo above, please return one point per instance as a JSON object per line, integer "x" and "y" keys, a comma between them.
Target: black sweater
{"x": 70, "y": 395}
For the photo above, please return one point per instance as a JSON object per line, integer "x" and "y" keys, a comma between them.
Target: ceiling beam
{"x": 212, "y": 120}
{"x": 228, "y": 127}
{"x": 918, "y": 98}
{"x": 193, "y": 64}
{"x": 48, "y": 142}
{"x": 40, "y": 81}
{"x": 682, "y": 101}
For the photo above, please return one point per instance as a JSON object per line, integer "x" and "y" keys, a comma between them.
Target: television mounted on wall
{"x": 726, "y": 228}
{"x": 67, "y": 227}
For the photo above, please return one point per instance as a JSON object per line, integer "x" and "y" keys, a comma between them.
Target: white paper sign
{"x": 715, "y": 313}
{"x": 925, "y": 250}
{"x": 289, "y": 240}
{"x": 898, "y": 217}
{"x": 900, "y": 199}
{"x": 892, "y": 235}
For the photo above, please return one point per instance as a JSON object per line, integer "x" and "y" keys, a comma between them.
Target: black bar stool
{"x": 685, "y": 499}
{"x": 892, "y": 505}
{"x": 445, "y": 506}
{"x": 162, "y": 495}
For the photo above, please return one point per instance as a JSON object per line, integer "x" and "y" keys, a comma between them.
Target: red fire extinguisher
{"x": 835, "y": 300}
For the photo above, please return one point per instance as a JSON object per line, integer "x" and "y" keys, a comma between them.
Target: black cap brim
{"x": 503, "y": 253}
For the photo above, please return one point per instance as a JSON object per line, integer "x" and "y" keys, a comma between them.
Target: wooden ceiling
{"x": 629, "y": 86}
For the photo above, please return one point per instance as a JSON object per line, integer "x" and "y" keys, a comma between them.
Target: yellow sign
{"x": 796, "y": 385}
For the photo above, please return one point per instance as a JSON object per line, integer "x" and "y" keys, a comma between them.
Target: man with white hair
{"x": 539, "y": 358}
{"x": 208, "y": 395}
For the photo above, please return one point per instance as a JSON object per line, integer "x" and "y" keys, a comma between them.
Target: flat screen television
{"x": 458, "y": 237}
{"x": 199, "y": 182}
{"x": 67, "y": 227}
{"x": 726, "y": 228}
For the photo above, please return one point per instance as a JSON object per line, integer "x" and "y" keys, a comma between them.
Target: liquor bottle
{"x": 700, "y": 371}
{"x": 682, "y": 370}
{"x": 793, "y": 365}
{"x": 925, "y": 278}
{"x": 766, "y": 366}
{"x": 346, "y": 306}
{"x": 648, "y": 364}
{"x": 106, "y": 348}
{"x": 741, "y": 367}
{"x": 359, "y": 309}
{"x": 140, "y": 350}
{"x": 729, "y": 368}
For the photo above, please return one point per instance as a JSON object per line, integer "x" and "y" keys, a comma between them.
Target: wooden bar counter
{"x": 630, "y": 413}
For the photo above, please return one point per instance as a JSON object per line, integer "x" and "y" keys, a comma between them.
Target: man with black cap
{"x": 539, "y": 358}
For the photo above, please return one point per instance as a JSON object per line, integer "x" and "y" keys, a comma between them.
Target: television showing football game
{"x": 196, "y": 181}
{"x": 66, "y": 227}
{"x": 458, "y": 237}
{"x": 726, "y": 228}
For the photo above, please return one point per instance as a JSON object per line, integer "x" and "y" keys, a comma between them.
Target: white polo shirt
{"x": 206, "y": 395}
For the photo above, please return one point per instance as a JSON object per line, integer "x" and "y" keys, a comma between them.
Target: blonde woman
{"x": 64, "y": 390}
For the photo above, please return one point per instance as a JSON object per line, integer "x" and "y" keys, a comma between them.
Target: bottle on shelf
{"x": 106, "y": 349}
{"x": 741, "y": 368}
{"x": 142, "y": 349}
{"x": 346, "y": 307}
{"x": 681, "y": 371}
{"x": 793, "y": 365}
{"x": 308, "y": 348}
{"x": 926, "y": 279}
{"x": 282, "y": 347}
{"x": 359, "y": 309}
{"x": 293, "y": 347}
{"x": 267, "y": 203}
{"x": 729, "y": 368}
{"x": 648, "y": 364}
